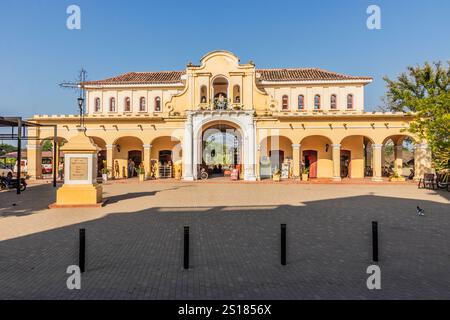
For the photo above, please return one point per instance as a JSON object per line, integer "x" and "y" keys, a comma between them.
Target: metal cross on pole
{"x": 78, "y": 85}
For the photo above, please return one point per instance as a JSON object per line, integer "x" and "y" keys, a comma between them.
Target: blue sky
{"x": 38, "y": 51}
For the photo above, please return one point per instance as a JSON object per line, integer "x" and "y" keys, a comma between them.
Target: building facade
{"x": 221, "y": 115}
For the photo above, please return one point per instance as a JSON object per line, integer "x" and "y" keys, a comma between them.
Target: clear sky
{"x": 37, "y": 51}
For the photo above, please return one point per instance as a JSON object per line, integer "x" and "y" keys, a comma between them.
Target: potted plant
{"x": 276, "y": 175}
{"x": 305, "y": 174}
{"x": 396, "y": 178}
{"x": 140, "y": 172}
{"x": 105, "y": 172}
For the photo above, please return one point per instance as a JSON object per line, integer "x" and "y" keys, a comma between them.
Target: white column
{"x": 336, "y": 162}
{"x": 249, "y": 167}
{"x": 188, "y": 150}
{"x": 377, "y": 157}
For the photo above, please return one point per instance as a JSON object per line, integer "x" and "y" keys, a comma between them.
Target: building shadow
{"x": 235, "y": 253}
{"x": 28, "y": 202}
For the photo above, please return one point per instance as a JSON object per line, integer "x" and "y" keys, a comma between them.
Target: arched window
{"x": 127, "y": 104}
{"x": 237, "y": 94}
{"x": 97, "y": 105}
{"x": 142, "y": 104}
{"x": 157, "y": 104}
{"x": 203, "y": 94}
{"x": 285, "y": 102}
{"x": 301, "y": 102}
{"x": 317, "y": 102}
{"x": 350, "y": 101}
{"x": 333, "y": 102}
{"x": 112, "y": 105}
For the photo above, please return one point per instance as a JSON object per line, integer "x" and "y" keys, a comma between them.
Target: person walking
{"x": 130, "y": 168}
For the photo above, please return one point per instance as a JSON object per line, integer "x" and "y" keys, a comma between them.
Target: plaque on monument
{"x": 78, "y": 168}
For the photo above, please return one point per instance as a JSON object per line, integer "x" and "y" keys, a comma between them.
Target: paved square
{"x": 135, "y": 243}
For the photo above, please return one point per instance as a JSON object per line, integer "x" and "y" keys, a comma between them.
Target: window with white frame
{"x": 142, "y": 104}
{"x": 112, "y": 105}
{"x": 127, "y": 104}
{"x": 157, "y": 104}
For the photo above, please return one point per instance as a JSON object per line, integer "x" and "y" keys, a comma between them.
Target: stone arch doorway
{"x": 222, "y": 149}
{"x": 198, "y": 121}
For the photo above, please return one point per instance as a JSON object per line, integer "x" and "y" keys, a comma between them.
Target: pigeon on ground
{"x": 420, "y": 211}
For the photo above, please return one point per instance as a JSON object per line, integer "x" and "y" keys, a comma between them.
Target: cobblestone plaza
{"x": 135, "y": 242}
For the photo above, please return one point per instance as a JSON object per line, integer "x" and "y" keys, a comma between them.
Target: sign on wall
{"x": 78, "y": 169}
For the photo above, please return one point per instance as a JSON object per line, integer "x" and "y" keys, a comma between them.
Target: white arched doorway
{"x": 198, "y": 122}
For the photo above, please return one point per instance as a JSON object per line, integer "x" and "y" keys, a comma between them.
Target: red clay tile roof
{"x": 158, "y": 77}
{"x": 304, "y": 74}
{"x": 173, "y": 77}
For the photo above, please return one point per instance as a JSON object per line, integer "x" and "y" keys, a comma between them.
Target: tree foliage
{"x": 6, "y": 148}
{"x": 47, "y": 145}
{"x": 425, "y": 91}
{"x": 419, "y": 82}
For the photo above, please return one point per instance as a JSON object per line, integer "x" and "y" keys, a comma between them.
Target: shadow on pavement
{"x": 235, "y": 253}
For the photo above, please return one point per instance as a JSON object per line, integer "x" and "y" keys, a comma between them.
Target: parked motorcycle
{"x": 11, "y": 183}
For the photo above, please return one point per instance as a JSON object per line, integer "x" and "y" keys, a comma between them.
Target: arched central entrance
{"x": 234, "y": 130}
{"x": 221, "y": 149}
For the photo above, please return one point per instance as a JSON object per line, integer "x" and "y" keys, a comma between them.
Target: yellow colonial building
{"x": 222, "y": 115}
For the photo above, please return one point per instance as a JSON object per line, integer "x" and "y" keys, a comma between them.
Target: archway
{"x": 222, "y": 149}
{"x": 398, "y": 156}
{"x": 356, "y": 157}
{"x": 165, "y": 151}
{"x": 220, "y": 89}
{"x": 242, "y": 122}
{"x": 127, "y": 155}
{"x": 317, "y": 150}
{"x": 276, "y": 154}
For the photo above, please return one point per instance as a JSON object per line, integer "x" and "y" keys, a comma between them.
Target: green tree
{"x": 419, "y": 82}
{"x": 6, "y": 148}
{"x": 47, "y": 145}
{"x": 425, "y": 91}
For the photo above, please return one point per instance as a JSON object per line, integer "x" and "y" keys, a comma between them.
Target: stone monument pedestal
{"x": 80, "y": 187}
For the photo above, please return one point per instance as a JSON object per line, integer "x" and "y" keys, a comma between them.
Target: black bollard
{"x": 375, "y": 241}
{"x": 186, "y": 248}
{"x": 82, "y": 252}
{"x": 283, "y": 244}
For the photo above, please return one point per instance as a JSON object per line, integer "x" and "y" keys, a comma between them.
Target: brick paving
{"x": 135, "y": 243}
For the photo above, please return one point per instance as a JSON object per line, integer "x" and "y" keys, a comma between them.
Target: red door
{"x": 310, "y": 160}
